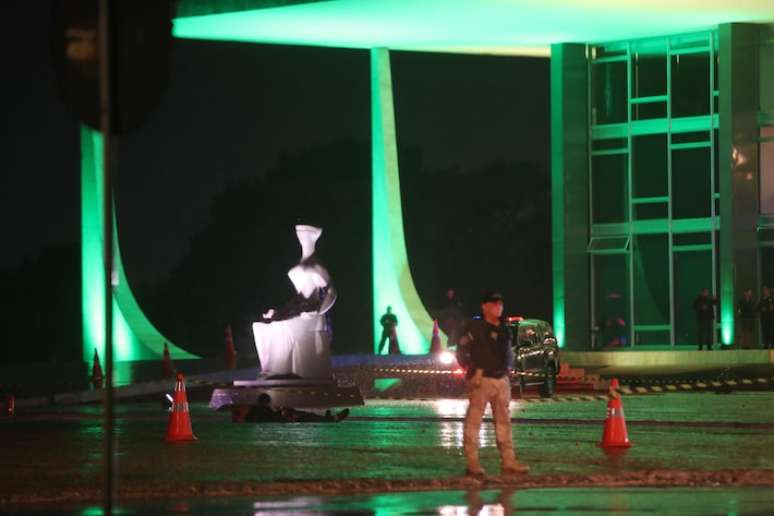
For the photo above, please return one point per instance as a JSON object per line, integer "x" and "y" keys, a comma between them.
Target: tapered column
{"x": 392, "y": 282}
{"x": 570, "y": 193}
{"x": 134, "y": 337}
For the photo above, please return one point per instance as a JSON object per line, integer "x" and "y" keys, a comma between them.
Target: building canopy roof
{"x": 511, "y": 27}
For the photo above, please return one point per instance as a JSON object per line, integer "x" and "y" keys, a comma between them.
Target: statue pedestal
{"x": 298, "y": 393}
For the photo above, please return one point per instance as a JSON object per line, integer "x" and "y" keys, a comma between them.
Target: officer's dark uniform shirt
{"x": 486, "y": 346}
{"x": 704, "y": 306}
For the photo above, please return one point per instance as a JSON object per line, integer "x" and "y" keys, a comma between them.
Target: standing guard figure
{"x": 389, "y": 332}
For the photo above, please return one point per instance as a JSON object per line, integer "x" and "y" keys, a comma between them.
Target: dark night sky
{"x": 231, "y": 110}
{"x": 39, "y": 181}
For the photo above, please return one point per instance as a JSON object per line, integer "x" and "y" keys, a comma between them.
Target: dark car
{"x": 535, "y": 354}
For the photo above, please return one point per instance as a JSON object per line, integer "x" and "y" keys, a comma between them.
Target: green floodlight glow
{"x": 727, "y": 328}
{"x": 727, "y": 272}
{"x": 524, "y": 27}
{"x": 557, "y": 198}
{"x": 134, "y": 337}
{"x": 393, "y": 285}
{"x": 92, "y": 511}
{"x": 92, "y": 273}
{"x": 382, "y": 384}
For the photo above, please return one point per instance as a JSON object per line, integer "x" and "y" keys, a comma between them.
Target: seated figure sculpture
{"x": 295, "y": 339}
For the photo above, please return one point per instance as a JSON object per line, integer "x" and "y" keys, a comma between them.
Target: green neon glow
{"x": 727, "y": 266}
{"x": 92, "y": 511}
{"x": 382, "y": 384}
{"x": 92, "y": 273}
{"x": 726, "y": 297}
{"x": 134, "y": 337}
{"x": 557, "y": 198}
{"x": 393, "y": 285}
{"x": 526, "y": 27}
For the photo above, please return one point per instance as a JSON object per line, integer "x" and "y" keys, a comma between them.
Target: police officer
{"x": 485, "y": 352}
{"x": 766, "y": 309}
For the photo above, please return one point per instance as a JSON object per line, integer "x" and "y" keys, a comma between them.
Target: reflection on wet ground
{"x": 564, "y": 501}
{"x": 57, "y": 455}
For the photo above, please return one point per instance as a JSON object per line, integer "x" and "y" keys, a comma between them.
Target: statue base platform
{"x": 287, "y": 391}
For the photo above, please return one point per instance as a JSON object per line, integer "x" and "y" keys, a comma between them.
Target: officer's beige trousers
{"x": 498, "y": 394}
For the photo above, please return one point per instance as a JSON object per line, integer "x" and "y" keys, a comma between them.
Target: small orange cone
{"x": 167, "y": 369}
{"x": 96, "y": 372}
{"x": 10, "y": 404}
{"x": 230, "y": 351}
{"x": 435, "y": 342}
{"x": 615, "y": 434}
{"x": 179, "y": 428}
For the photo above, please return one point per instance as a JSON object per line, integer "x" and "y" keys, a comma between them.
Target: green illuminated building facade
{"x": 662, "y": 171}
{"x": 662, "y": 128}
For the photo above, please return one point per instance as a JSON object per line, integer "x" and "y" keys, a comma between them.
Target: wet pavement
{"x": 644, "y": 501}
{"x": 680, "y": 439}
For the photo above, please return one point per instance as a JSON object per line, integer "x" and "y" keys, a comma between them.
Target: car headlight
{"x": 446, "y": 358}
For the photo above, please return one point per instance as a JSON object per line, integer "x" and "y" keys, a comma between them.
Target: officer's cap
{"x": 491, "y": 297}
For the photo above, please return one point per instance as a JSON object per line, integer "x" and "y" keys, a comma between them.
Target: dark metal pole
{"x": 106, "y": 112}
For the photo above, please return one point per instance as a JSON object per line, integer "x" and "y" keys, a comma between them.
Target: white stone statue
{"x": 295, "y": 339}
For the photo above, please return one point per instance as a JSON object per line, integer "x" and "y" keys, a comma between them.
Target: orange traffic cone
{"x": 435, "y": 341}
{"x": 167, "y": 369}
{"x": 179, "y": 428}
{"x": 230, "y": 351}
{"x": 613, "y": 388}
{"x": 10, "y": 404}
{"x": 96, "y": 372}
{"x": 615, "y": 434}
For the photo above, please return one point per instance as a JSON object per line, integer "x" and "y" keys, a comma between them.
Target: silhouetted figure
{"x": 610, "y": 329}
{"x": 389, "y": 332}
{"x": 766, "y": 311}
{"x": 705, "y": 317}
{"x": 747, "y": 310}
{"x": 452, "y": 317}
{"x": 615, "y": 324}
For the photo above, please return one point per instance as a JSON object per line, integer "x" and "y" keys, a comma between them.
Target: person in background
{"x": 747, "y": 311}
{"x": 452, "y": 317}
{"x": 389, "y": 332}
{"x": 704, "y": 305}
{"x": 766, "y": 311}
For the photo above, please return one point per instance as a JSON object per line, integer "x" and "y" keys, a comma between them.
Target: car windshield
{"x": 527, "y": 335}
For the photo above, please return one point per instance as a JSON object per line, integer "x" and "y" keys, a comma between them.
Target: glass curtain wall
{"x": 653, "y": 188}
